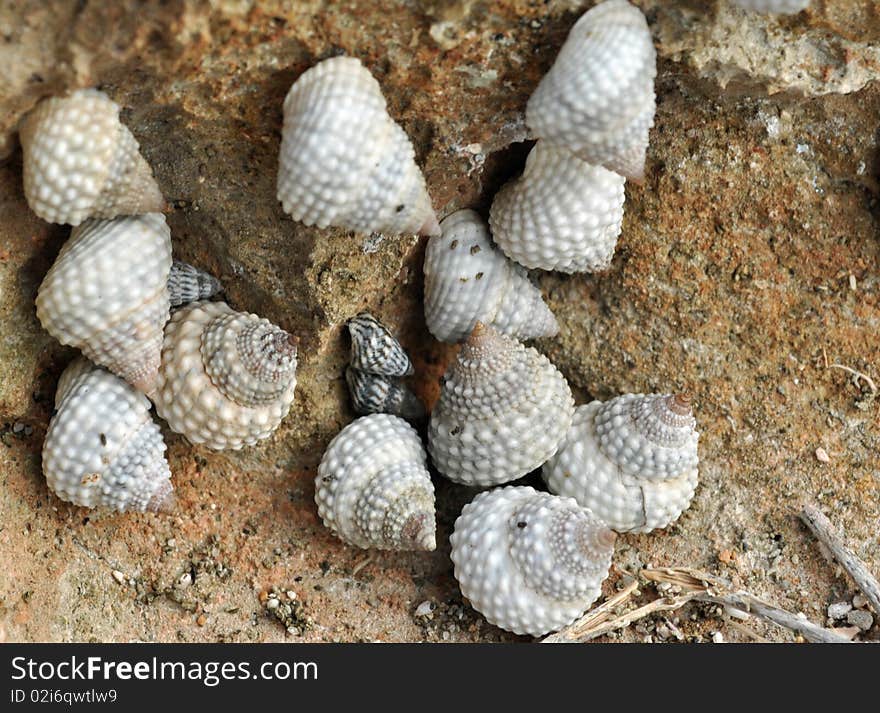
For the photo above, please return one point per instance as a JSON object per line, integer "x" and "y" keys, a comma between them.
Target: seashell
{"x": 503, "y": 410}
{"x": 227, "y": 378}
{"x": 631, "y": 460}
{"x": 344, "y": 161}
{"x": 598, "y": 98}
{"x": 374, "y": 349}
{"x": 189, "y": 284}
{"x": 780, "y": 7}
{"x": 561, "y": 214}
{"x": 468, "y": 280}
{"x": 374, "y": 393}
{"x": 530, "y": 562}
{"x": 373, "y": 488}
{"x": 107, "y": 294}
{"x": 81, "y": 162}
{"x": 102, "y": 448}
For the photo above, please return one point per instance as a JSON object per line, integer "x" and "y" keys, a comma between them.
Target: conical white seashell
{"x": 344, "y": 161}
{"x": 781, "y": 7}
{"x": 632, "y": 460}
{"x": 561, "y": 214}
{"x": 530, "y": 562}
{"x": 467, "y": 280}
{"x": 598, "y": 98}
{"x": 373, "y": 488}
{"x": 189, "y": 284}
{"x": 227, "y": 378}
{"x": 81, "y": 162}
{"x": 102, "y": 448}
{"x": 375, "y": 393}
{"x": 503, "y": 410}
{"x": 107, "y": 294}
{"x": 375, "y": 350}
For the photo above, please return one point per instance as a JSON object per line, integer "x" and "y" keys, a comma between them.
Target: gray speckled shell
{"x": 632, "y": 461}
{"x": 530, "y": 562}
{"x": 561, "y": 214}
{"x": 374, "y": 349}
{"x": 227, "y": 378}
{"x": 344, "y": 161}
{"x": 102, "y": 448}
{"x": 598, "y": 99}
{"x": 781, "y": 7}
{"x": 373, "y": 489}
{"x": 107, "y": 294}
{"x": 468, "y": 280}
{"x": 502, "y": 412}
{"x": 374, "y": 393}
{"x": 189, "y": 284}
{"x": 81, "y": 162}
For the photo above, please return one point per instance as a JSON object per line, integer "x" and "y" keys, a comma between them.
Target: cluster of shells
{"x": 529, "y": 561}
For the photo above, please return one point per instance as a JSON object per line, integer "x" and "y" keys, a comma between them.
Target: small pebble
{"x": 425, "y": 608}
{"x": 860, "y": 601}
{"x": 272, "y": 604}
{"x": 291, "y": 595}
{"x": 838, "y": 610}
{"x": 822, "y": 455}
{"x": 717, "y": 638}
{"x": 861, "y": 619}
{"x": 118, "y": 576}
{"x": 202, "y": 620}
{"x": 185, "y": 580}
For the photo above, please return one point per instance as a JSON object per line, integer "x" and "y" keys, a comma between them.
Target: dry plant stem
{"x": 824, "y": 531}
{"x": 858, "y": 375}
{"x": 593, "y": 619}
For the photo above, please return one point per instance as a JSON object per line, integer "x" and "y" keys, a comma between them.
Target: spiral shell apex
{"x": 189, "y": 284}
{"x": 598, "y": 99}
{"x": 530, "y": 562}
{"x": 107, "y": 294}
{"x": 468, "y": 280}
{"x": 631, "y": 460}
{"x": 102, "y": 448}
{"x": 227, "y": 378}
{"x": 502, "y": 412}
{"x": 780, "y": 7}
{"x": 81, "y": 162}
{"x": 373, "y": 488}
{"x": 343, "y": 159}
{"x": 561, "y": 214}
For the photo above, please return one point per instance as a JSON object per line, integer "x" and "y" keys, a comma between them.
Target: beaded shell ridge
{"x": 632, "y": 460}
{"x": 102, "y": 448}
{"x": 373, "y": 488}
{"x": 344, "y": 161}
{"x": 468, "y": 280}
{"x": 530, "y": 562}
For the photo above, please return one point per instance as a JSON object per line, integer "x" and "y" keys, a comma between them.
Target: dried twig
{"x": 824, "y": 531}
{"x": 858, "y": 375}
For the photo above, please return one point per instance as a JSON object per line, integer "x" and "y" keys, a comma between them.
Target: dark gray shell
{"x": 189, "y": 284}
{"x": 375, "y": 350}
{"x": 374, "y": 393}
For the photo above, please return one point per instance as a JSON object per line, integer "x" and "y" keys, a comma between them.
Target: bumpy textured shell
{"x": 561, "y": 214}
{"x": 102, "y": 448}
{"x": 343, "y": 159}
{"x": 782, "y": 7}
{"x": 632, "y": 460}
{"x": 530, "y": 562}
{"x": 373, "y": 489}
{"x": 374, "y": 349}
{"x": 374, "y": 393}
{"x": 503, "y": 410}
{"x": 189, "y": 284}
{"x": 598, "y": 99}
{"x": 227, "y": 378}
{"x": 81, "y": 162}
{"x": 467, "y": 280}
{"x": 107, "y": 294}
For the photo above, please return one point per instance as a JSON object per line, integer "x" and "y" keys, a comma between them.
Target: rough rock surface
{"x": 747, "y": 271}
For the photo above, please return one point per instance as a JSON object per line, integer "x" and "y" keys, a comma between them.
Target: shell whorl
{"x": 344, "y": 161}
{"x": 467, "y": 279}
{"x": 81, "y": 162}
{"x": 561, "y": 214}
{"x": 375, "y": 393}
{"x": 373, "y": 489}
{"x": 502, "y": 412}
{"x": 106, "y": 294}
{"x": 633, "y": 460}
{"x": 530, "y": 562}
{"x": 227, "y": 378}
{"x": 102, "y": 448}
{"x": 375, "y": 350}
{"x": 598, "y": 98}
{"x": 189, "y": 284}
